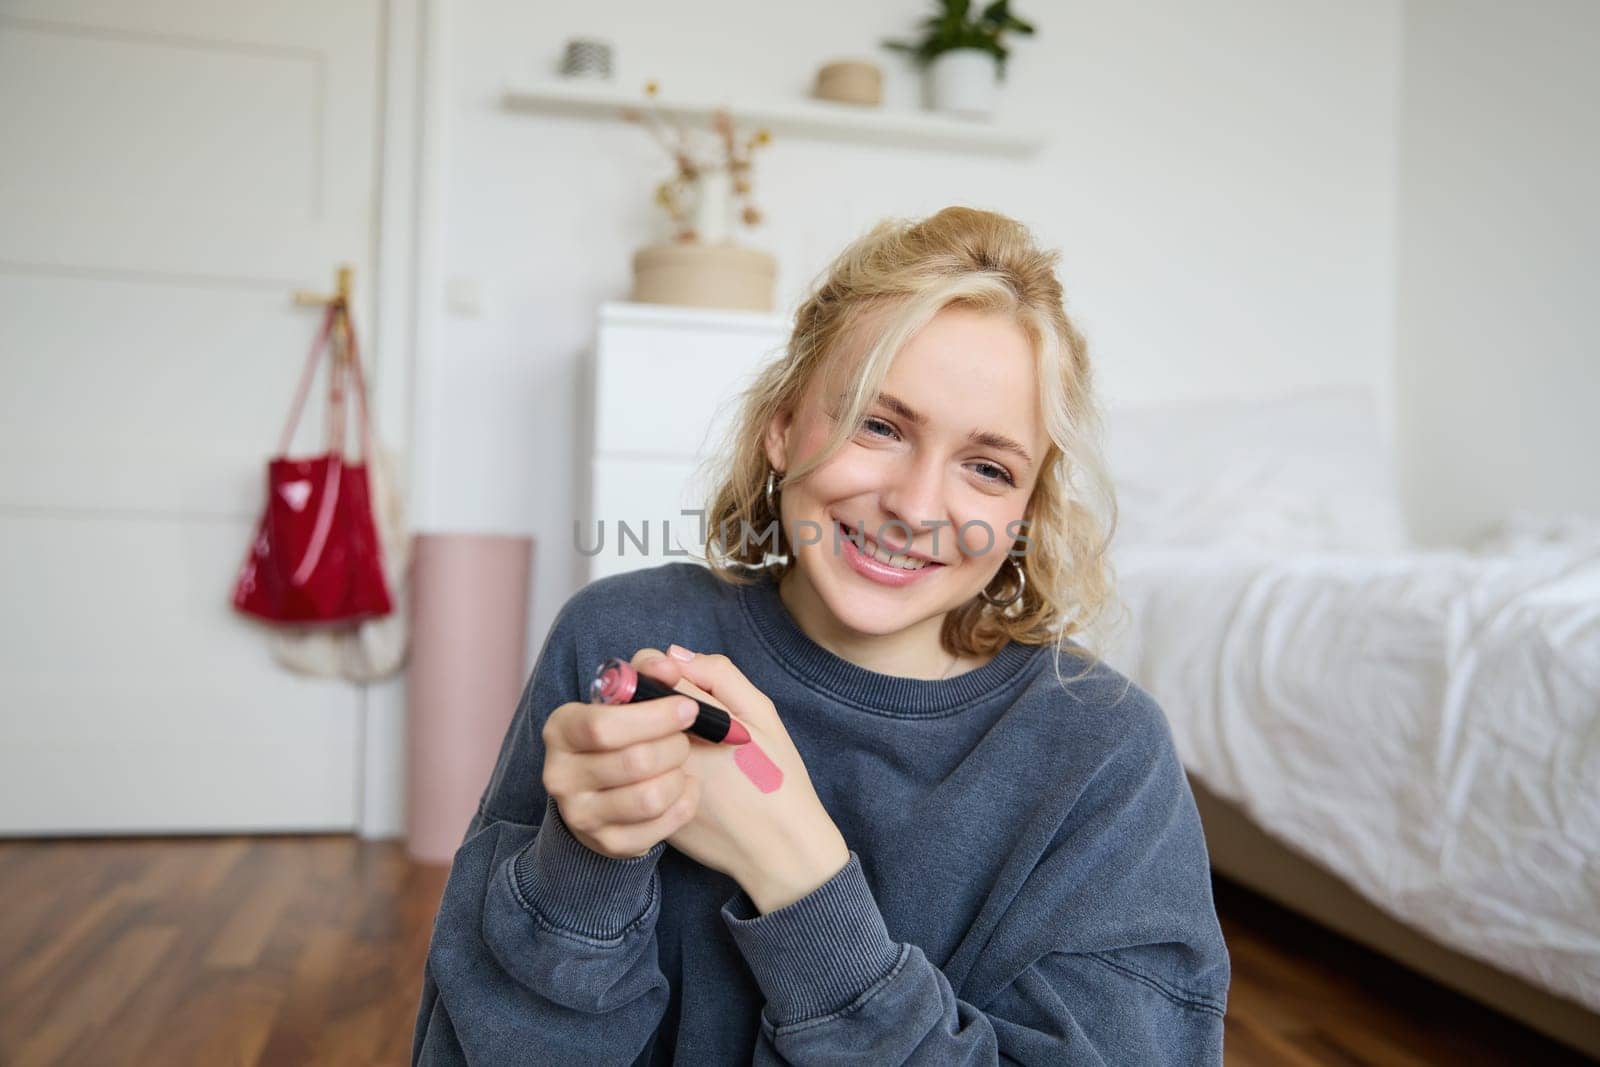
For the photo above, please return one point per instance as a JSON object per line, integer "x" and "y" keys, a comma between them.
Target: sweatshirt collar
{"x": 883, "y": 694}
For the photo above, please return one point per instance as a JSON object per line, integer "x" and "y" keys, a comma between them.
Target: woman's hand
{"x": 778, "y": 845}
{"x": 617, "y": 772}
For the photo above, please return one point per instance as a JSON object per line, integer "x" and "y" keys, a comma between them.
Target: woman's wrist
{"x": 784, "y": 877}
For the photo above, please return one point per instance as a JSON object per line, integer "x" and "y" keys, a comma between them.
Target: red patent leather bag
{"x": 316, "y": 556}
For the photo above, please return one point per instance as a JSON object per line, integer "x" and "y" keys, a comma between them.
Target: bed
{"x": 1402, "y": 743}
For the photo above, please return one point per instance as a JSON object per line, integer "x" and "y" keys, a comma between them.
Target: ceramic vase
{"x": 964, "y": 82}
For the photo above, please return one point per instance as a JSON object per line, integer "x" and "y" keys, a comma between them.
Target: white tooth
{"x": 894, "y": 559}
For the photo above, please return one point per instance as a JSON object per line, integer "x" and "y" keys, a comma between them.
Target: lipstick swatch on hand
{"x": 758, "y": 767}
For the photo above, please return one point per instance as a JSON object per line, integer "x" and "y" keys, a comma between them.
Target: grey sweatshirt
{"x": 1027, "y": 879}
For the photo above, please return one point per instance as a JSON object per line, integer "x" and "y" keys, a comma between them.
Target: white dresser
{"x": 664, "y": 385}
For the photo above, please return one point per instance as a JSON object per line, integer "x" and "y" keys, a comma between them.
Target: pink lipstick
{"x": 616, "y": 682}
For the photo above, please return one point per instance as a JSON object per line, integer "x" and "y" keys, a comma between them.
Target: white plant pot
{"x": 964, "y": 81}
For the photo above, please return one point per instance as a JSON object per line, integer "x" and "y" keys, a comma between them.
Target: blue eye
{"x": 869, "y": 422}
{"x": 1002, "y": 476}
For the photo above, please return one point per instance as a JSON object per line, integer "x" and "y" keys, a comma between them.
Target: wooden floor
{"x": 309, "y": 950}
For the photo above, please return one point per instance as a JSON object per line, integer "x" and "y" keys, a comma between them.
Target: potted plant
{"x": 965, "y": 57}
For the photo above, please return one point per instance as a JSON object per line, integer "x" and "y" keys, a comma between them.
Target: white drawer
{"x": 649, "y": 497}
{"x": 669, "y": 385}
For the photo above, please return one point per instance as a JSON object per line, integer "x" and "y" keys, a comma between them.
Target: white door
{"x": 169, "y": 174}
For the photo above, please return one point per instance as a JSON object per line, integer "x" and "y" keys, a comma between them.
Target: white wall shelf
{"x": 812, "y": 119}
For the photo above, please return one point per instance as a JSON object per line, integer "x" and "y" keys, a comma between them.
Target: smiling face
{"x": 951, "y": 447}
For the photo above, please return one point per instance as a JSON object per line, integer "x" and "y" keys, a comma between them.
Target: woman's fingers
{"x": 717, "y": 676}
{"x": 636, "y": 763}
{"x": 616, "y": 772}
{"x": 668, "y": 671}
{"x": 590, "y": 747}
{"x": 636, "y": 802}
{"x": 654, "y": 664}
{"x": 629, "y": 821}
{"x": 606, "y": 727}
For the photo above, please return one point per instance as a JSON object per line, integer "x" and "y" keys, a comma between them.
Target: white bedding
{"x": 1424, "y": 724}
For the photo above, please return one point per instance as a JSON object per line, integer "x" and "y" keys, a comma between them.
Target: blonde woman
{"x": 954, "y": 836}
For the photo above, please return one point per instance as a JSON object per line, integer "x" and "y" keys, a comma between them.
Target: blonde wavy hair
{"x": 883, "y": 288}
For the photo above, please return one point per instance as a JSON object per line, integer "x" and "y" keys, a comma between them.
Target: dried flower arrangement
{"x": 674, "y": 194}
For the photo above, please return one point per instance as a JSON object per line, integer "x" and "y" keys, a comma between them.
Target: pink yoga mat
{"x": 469, "y": 640}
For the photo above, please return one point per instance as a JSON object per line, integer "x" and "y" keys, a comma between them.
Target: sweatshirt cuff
{"x": 815, "y": 956}
{"x": 579, "y": 890}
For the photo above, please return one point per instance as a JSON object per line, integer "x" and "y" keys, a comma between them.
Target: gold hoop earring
{"x": 1022, "y": 583}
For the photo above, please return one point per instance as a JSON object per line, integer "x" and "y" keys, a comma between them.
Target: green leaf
{"x": 949, "y": 28}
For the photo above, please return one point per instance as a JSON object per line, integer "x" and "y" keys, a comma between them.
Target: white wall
{"x": 1221, "y": 179}
{"x": 1497, "y": 369}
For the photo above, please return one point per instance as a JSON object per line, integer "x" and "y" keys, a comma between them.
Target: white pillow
{"x": 1303, "y": 471}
